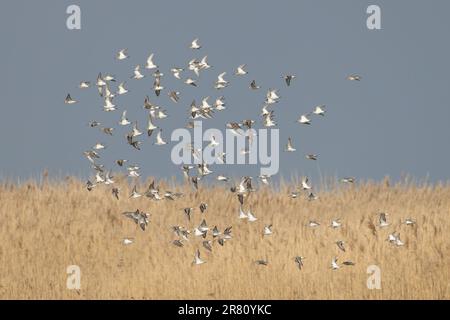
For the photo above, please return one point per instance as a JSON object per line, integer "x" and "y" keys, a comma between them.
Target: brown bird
{"x": 115, "y": 192}
{"x": 194, "y": 181}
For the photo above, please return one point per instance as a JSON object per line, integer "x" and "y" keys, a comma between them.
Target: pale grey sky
{"x": 395, "y": 121}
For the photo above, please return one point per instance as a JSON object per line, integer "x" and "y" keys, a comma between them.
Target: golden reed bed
{"x": 45, "y": 227}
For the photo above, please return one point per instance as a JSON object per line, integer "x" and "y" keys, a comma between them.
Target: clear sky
{"x": 395, "y": 121}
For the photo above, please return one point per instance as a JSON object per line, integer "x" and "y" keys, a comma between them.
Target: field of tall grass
{"x": 47, "y": 226}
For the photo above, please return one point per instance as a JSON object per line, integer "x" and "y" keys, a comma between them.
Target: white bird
{"x": 99, "y": 178}
{"x": 334, "y": 264}
{"x": 335, "y": 223}
{"x": 69, "y": 100}
{"x": 354, "y": 77}
{"x": 194, "y": 65}
{"x": 136, "y": 132}
{"x": 137, "y": 73}
{"x": 410, "y": 222}
{"x": 348, "y": 180}
{"x": 304, "y": 119}
{"x": 99, "y": 146}
{"x": 305, "y": 184}
{"x": 133, "y": 173}
{"x": 392, "y": 237}
{"x": 220, "y": 103}
{"x": 161, "y": 114}
{"x": 383, "y": 220}
{"x": 242, "y": 214}
{"x": 127, "y": 241}
{"x": 289, "y": 147}
{"x": 268, "y": 120}
{"x": 195, "y": 44}
{"x": 221, "y": 80}
{"x": 319, "y": 110}
{"x": 109, "y": 179}
{"x": 122, "y": 54}
{"x": 84, "y": 84}
{"x": 159, "y": 139}
{"x": 197, "y": 259}
{"x": 109, "y": 77}
{"x": 272, "y": 96}
{"x": 204, "y": 64}
{"x": 100, "y": 81}
{"x": 135, "y": 193}
{"x": 399, "y": 242}
{"x": 267, "y": 230}
{"x": 108, "y": 93}
{"x": 213, "y": 143}
{"x": 395, "y": 239}
{"x": 240, "y": 70}
{"x": 176, "y": 72}
{"x": 251, "y": 217}
{"x": 109, "y": 105}
{"x": 313, "y": 224}
{"x": 265, "y": 178}
{"x": 190, "y": 82}
{"x": 123, "y": 120}
{"x": 222, "y": 178}
{"x": 121, "y": 89}
{"x": 149, "y": 64}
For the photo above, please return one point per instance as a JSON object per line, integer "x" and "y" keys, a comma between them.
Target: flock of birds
{"x": 205, "y": 110}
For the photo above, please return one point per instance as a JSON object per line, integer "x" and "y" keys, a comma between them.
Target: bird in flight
{"x": 122, "y": 54}
{"x": 197, "y": 259}
{"x": 319, "y": 110}
{"x": 262, "y": 262}
{"x": 354, "y": 77}
{"x": 340, "y": 245}
{"x": 267, "y": 230}
{"x": 149, "y": 64}
{"x": 253, "y": 85}
{"x": 334, "y": 264}
{"x": 69, "y": 100}
{"x": 137, "y": 73}
{"x": 289, "y": 147}
{"x": 140, "y": 218}
{"x": 84, "y": 85}
{"x": 299, "y": 261}
{"x": 127, "y": 241}
{"x": 288, "y": 78}
{"x": 240, "y": 70}
{"x": 382, "y": 220}
{"x": 195, "y": 44}
{"x": 304, "y": 119}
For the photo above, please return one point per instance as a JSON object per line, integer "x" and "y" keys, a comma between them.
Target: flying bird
{"x": 69, "y": 100}
{"x": 354, "y": 77}
{"x": 253, "y": 85}
{"x": 299, "y": 261}
{"x": 122, "y": 54}
{"x": 240, "y": 70}
{"x": 288, "y": 78}
{"x": 319, "y": 110}
{"x": 149, "y": 64}
{"x": 137, "y": 73}
{"x": 289, "y": 147}
{"x": 195, "y": 44}
{"x": 197, "y": 259}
